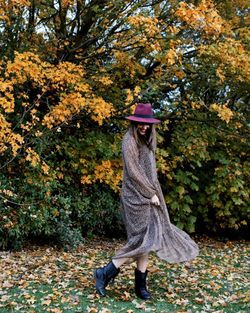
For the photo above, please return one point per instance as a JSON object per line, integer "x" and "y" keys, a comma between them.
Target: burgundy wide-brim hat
{"x": 143, "y": 114}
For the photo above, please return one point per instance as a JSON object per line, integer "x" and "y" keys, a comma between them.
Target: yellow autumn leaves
{"x": 203, "y": 17}
{"x": 222, "y": 111}
{"x": 14, "y": 6}
{"x": 107, "y": 172}
{"x": 233, "y": 59}
{"x": 64, "y": 89}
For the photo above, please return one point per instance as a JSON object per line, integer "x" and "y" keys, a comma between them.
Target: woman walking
{"x": 144, "y": 210}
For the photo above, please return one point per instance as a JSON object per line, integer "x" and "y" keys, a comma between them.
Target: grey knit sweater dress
{"x": 148, "y": 226}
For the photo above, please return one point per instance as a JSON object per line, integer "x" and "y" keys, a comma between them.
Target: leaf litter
{"x": 45, "y": 279}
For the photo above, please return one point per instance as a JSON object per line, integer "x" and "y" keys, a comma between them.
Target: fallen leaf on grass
{"x": 55, "y": 310}
{"x": 51, "y": 278}
{"x": 104, "y": 310}
{"x": 92, "y": 310}
{"x": 138, "y": 305}
{"x": 7, "y": 284}
{"x": 247, "y": 299}
{"x": 126, "y": 296}
{"x": 199, "y": 300}
{"x": 220, "y": 302}
{"x": 46, "y": 302}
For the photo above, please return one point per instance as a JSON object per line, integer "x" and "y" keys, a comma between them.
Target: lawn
{"x": 45, "y": 279}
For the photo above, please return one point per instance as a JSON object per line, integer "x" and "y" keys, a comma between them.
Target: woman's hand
{"x": 155, "y": 200}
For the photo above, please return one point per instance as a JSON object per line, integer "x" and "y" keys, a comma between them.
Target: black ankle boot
{"x": 103, "y": 276}
{"x": 140, "y": 285}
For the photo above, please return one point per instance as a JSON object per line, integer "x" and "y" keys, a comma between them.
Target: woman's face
{"x": 143, "y": 128}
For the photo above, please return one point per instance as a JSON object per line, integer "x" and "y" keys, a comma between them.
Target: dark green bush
{"x": 59, "y": 213}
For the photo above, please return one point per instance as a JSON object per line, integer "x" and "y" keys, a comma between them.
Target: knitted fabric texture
{"x": 148, "y": 226}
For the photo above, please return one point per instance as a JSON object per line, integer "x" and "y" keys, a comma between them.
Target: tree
{"x": 72, "y": 69}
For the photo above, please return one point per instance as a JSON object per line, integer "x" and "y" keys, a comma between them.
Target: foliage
{"x": 46, "y": 279}
{"x": 204, "y": 179}
{"x": 71, "y": 71}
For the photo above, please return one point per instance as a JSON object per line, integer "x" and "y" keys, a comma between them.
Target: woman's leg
{"x": 118, "y": 262}
{"x": 142, "y": 263}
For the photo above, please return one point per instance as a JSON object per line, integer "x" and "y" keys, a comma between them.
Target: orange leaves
{"x": 15, "y": 6}
{"x": 203, "y": 17}
{"x": 9, "y": 138}
{"x": 72, "y": 104}
{"x": 20, "y": 2}
{"x": 171, "y": 57}
{"x": 29, "y": 67}
{"x": 148, "y": 32}
{"x": 223, "y": 111}
{"x": 99, "y": 109}
{"x": 6, "y": 96}
{"x": 66, "y": 75}
{"x": 26, "y": 66}
{"x": 232, "y": 58}
{"x": 86, "y": 180}
{"x": 69, "y": 105}
{"x": 103, "y": 171}
{"x": 130, "y": 96}
{"x": 180, "y": 74}
{"x": 4, "y": 131}
{"x": 128, "y": 64}
{"x": 63, "y": 87}
{"x": 76, "y": 95}
{"x": 195, "y": 105}
{"x": 146, "y": 24}
{"x": 66, "y": 3}
{"x": 143, "y": 33}
{"x": 107, "y": 172}
{"x": 105, "y": 80}
{"x": 35, "y": 160}
{"x": 33, "y": 157}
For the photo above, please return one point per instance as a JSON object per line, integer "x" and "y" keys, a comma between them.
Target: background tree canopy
{"x": 72, "y": 69}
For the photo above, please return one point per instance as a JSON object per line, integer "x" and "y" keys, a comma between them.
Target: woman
{"x": 144, "y": 210}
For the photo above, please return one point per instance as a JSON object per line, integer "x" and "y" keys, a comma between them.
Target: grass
{"x": 44, "y": 279}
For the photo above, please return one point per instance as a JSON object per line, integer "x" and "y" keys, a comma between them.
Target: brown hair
{"x": 149, "y": 140}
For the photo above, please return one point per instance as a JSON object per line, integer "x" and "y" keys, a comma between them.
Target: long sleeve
{"x": 134, "y": 170}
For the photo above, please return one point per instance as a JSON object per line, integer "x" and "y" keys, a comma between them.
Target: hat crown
{"x": 144, "y": 109}
{"x": 143, "y": 114}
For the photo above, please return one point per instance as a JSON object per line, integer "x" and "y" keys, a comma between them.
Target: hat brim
{"x": 143, "y": 119}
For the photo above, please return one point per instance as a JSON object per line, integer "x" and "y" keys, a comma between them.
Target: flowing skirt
{"x": 149, "y": 229}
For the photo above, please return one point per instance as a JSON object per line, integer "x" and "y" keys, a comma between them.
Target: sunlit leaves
{"x": 232, "y": 57}
{"x": 223, "y": 112}
{"x": 203, "y": 17}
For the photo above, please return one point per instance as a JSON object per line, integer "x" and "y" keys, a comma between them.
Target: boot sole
{"x": 144, "y": 298}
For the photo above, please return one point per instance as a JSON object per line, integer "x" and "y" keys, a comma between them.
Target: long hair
{"x": 149, "y": 139}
